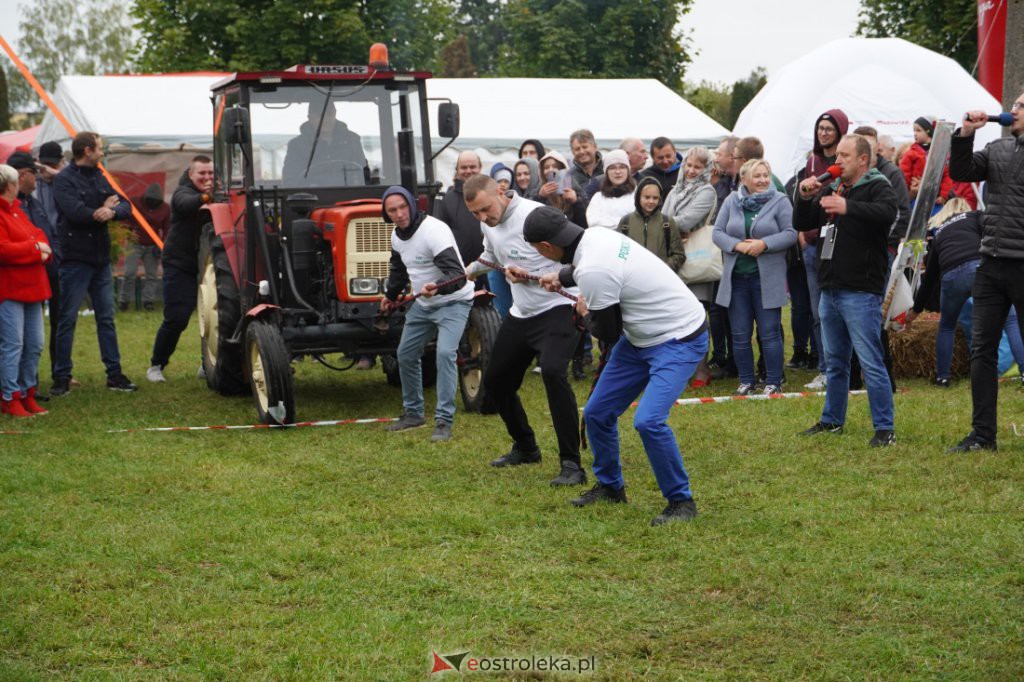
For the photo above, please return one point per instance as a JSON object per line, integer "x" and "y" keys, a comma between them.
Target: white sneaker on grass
{"x": 201, "y": 373}
{"x": 155, "y": 374}
{"x": 818, "y": 383}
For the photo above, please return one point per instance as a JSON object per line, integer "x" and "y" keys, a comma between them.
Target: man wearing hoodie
{"x": 86, "y": 203}
{"x": 337, "y": 152}
{"x": 854, "y": 214}
{"x": 666, "y": 163}
{"x": 181, "y": 260}
{"x": 452, "y": 211}
{"x": 424, "y": 254}
{"x": 539, "y": 325}
{"x": 156, "y": 212}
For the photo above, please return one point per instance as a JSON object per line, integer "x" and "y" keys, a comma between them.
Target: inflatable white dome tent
{"x": 881, "y": 82}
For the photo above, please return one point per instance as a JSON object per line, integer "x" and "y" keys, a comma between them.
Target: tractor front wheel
{"x": 268, "y": 365}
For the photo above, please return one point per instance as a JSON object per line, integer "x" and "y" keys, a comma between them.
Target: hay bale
{"x": 913, "y": 350}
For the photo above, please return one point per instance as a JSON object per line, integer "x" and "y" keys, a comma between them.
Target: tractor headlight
{"x": 363, "y": 286}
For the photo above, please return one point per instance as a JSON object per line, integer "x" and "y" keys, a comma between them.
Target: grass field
{"x": 350, "y": 553}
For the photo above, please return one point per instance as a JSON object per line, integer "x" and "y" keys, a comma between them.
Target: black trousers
{"x": 553, "y": 337}
{"x": 998, "y": 284}
{"x": 180, "y": 291}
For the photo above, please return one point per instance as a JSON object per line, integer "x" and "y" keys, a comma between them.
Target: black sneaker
{"x": 943, "y": 383}
{"x": 406, "y": 421}
{"x": 120, "y": 382}
{"x": 515, "y": 457}
{"x": 578, "y": 372}
{"x": 571, "y": 474}
{"x": 798, "y": 361}
{"x": 680, "y": 510}
{"x": 61, "y": 386}
{"x": 822, "y": 427}
{"x": 600, "y": 492}
{"x": 883, "y": 439}
{"x": 972, "y": 444}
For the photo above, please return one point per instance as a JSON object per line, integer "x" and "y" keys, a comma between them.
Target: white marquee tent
{"x": 156, "y": 113}
{"x": 881, "y": 82}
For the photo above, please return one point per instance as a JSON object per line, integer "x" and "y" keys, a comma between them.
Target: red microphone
{"x": 832, "y": 173}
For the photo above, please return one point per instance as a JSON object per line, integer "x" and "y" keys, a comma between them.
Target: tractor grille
{"x": 372, "y": 235}
{"x": 368, "y": 251}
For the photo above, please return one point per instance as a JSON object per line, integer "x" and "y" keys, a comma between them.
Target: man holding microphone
{"x": 998, "y": 283}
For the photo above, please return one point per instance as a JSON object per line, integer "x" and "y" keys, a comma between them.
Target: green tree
{"x": 60, "y": 37}
{"x": 480, "y": 21}
{"x": 455, "y": 60}
{"x": 596, "y": 38}
{"x": 248, "y": 35}
{"x": 711, "y": 98}
{"x": 743, "y": 91}
{"x": 5, "y": 104}
{"x": 414, "y": 30}
{"x": 948, "y": 27}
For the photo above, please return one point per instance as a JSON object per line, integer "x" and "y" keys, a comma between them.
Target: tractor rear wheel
{"x": 219, "y": 311}
{"x": 268, "y": 365}
{"x": 475, "y": 354}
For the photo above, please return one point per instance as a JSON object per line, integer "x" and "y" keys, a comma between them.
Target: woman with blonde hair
{"x": 24, "y": 251}
{"x": 754, "y": 230}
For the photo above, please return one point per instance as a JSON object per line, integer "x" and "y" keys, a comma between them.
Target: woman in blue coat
{"x": 754, "y": 229}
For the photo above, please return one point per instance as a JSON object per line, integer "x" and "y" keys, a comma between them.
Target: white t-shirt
{"x": 431, "y": 238}
{"x": 656, "y": 306}
{"x": 608, "y": 211}
{"x": 504, "y": 245}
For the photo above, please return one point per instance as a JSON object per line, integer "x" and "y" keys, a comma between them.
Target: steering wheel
{"x": 330, "y": 169}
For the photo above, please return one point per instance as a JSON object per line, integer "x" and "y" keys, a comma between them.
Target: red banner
{"x": 991, "y": 45}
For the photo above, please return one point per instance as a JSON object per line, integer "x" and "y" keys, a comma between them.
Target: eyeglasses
{"x": 1017, "y": 106}
{"x": 826, "y": 129}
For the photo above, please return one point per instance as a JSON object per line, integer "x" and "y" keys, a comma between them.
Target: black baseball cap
{"x": 50, "y": 153}
{"x": 21, "y": 161}
{"x": 548, "y": 224}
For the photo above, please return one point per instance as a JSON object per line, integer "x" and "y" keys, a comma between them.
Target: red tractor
{"x": 295, "y": 257}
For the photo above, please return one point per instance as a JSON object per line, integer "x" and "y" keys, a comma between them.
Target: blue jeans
{"x": 852, "y": 320}
{"x": 421, "y": 323}
{"x": 502, "y": 291}
{"x": 21, "y": 344}
{"x": 745, "y": 307}
{"x": 77, "y": 279}
{"x": 956, "y": 289}
{"x": 661, "y": 372}
{"x": 811, "y": 265}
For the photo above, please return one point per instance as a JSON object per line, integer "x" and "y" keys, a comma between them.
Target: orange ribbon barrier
{"x": 43, "y": 95}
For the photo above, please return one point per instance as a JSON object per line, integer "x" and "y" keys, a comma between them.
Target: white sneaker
{"x": 818, "y": 383}
{"x": 201, "y": 373}
{"x": 155, "y": 374}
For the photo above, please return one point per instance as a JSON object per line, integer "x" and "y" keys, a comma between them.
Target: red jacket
{"x": 912, "y": 164}
{"x": 22, "y": 270}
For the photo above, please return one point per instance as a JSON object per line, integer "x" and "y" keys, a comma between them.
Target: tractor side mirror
{"x": 236, "y": 125}
{"x": 448, "y": 119}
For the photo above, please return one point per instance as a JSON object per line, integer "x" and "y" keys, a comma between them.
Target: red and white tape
{"x": 730, "y": 398}
{"x": 245, "y": 427}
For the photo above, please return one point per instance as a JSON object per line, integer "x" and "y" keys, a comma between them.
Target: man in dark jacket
{"x": 337, "y": 152}
{"x": 854, "y": 215}
{"x": 155, "y": 210}
{"x": 452, "y": 211}
{"x": 666, "y": 164}
{"x": 181, "y": 260}
{"x": 586, "y": 160}
{"x": 86, "y": 203}
{"x": 999, "y": 280}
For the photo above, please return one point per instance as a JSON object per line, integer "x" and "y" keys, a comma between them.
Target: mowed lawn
{"x": 350, "y": 553}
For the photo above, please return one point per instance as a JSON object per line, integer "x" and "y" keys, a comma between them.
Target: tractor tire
{"x": 219, "y": 311}
{"x": 268, "y": 364}
{"x": 475, "y": 355}
{"x": 389, "y": 363}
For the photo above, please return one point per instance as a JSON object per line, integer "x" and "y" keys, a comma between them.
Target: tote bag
{"x": 703, "y": 258}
